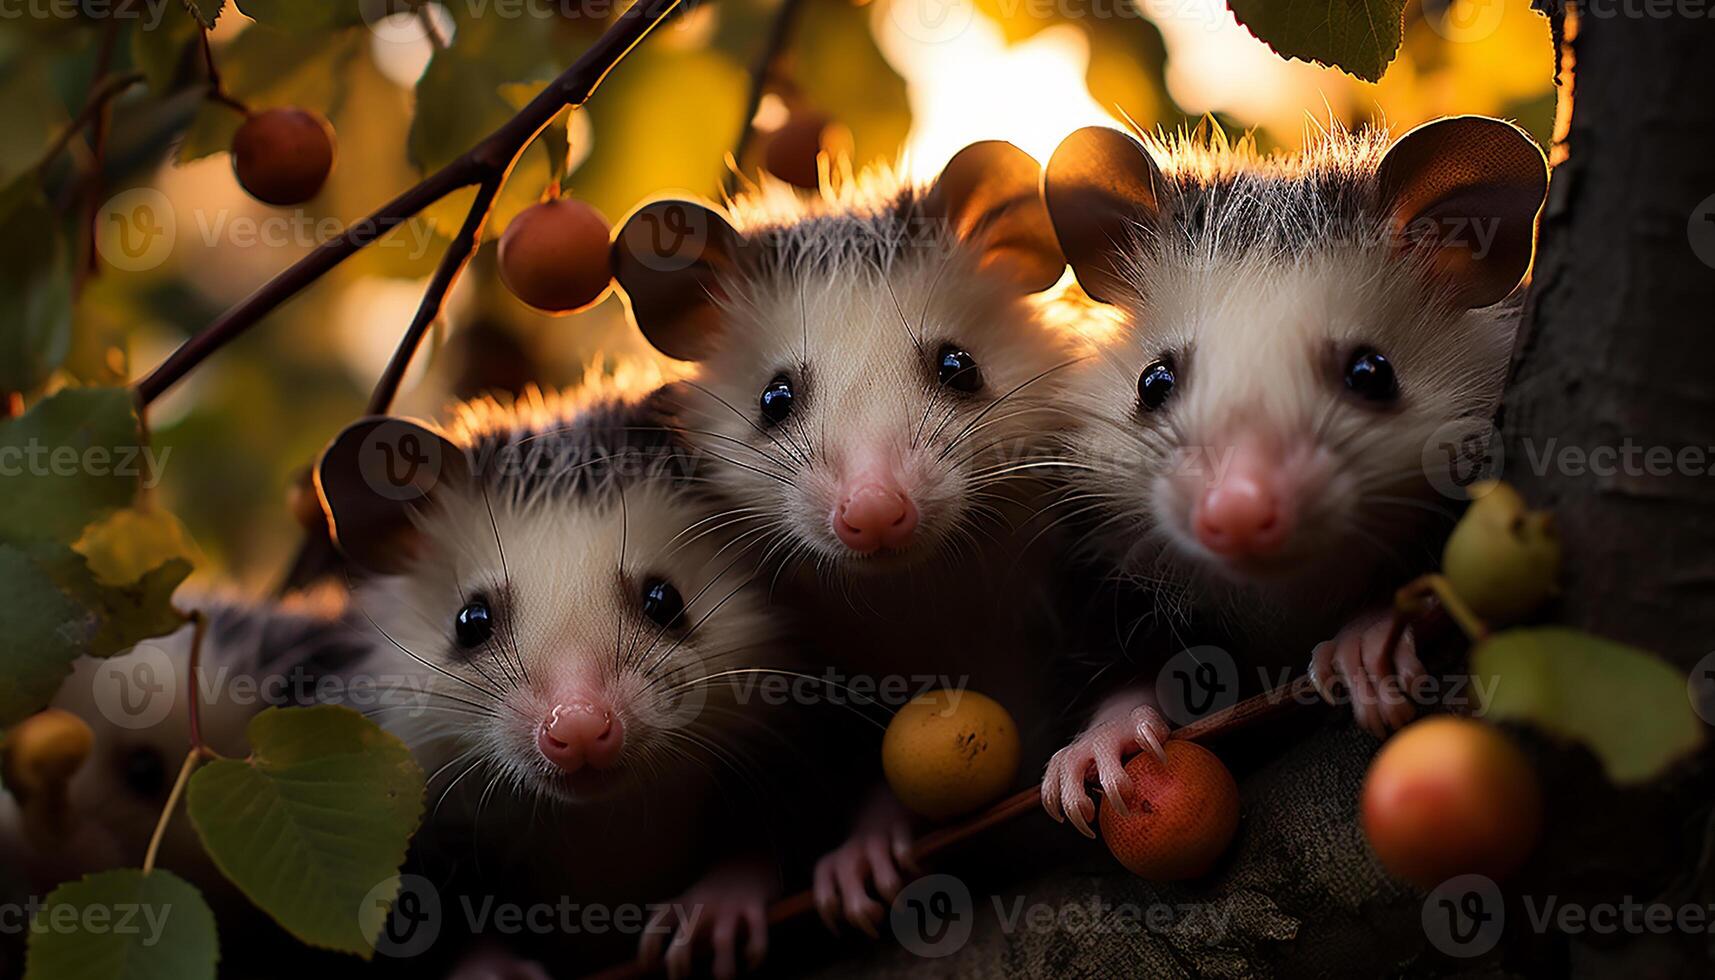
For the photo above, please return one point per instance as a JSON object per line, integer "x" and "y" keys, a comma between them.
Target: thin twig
{"x": 199, "y": 631}
{"x": 762, "y": 74}
{"x": 217, "y": 88}
{"x": 98, "y": 99}
{"x": 1269, "y": 705}
{"x": 492, "y": 157}
{"x": 191, "y": 759}
{"x": 434, "y": 298}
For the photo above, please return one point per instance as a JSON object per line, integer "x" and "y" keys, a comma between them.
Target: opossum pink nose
{"x": 580, "y": 734}
{"x": 1241, "y": 516}
{"x": 873, "y": 516}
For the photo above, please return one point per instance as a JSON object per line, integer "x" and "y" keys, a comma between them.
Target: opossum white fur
{"x": 574, "y": 503}
{"x": 852, "y": 295}
{"x": 1257, "y": 277}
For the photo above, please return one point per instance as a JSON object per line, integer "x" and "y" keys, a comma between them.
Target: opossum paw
{"x": 873, "y": 862}
{"x": 726, "y": 913}
{"x": 1357, "y": 665}
{"x": 1102, "y": 747}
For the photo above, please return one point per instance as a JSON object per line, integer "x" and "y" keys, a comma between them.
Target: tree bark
{"x": 1610, "y": 421}
{"x": 1618, "y": 348}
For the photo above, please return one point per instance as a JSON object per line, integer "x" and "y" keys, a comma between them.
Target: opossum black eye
{"x": 144, "y": 772}
{"x": 1370, "y": 376}
{"x": 958, "y": 370}
{"x": 474, "y": 623}
{"x": 1155, "y": 384}
{"x": 662, "y": 602}
{"x": 777, "y": 399}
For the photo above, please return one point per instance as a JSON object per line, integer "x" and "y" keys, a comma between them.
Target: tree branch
{"x": 105, "y": 93}
{"x": 1284, "y": 700}
{"x": 761, "y": 76}
{"x": 490, "y": 159}
{"x": 435, "y": 297}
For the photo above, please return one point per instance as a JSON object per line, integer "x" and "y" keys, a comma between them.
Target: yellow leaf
{"x": 130, "y": 543}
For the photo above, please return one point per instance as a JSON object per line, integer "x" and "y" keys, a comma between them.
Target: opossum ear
{"x": 1467, "y": 189}
{"x": 990, "y": 195}
{"x": 667, "y": 259}
{"x": 373, "y": 476}
{"x": 1102, "y": 188}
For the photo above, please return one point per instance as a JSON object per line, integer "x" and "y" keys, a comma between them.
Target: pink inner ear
{"x": 1478, "y": 240}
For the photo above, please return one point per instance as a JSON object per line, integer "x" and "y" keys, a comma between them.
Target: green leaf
{"x": 1628, "y": 706}
{"x": 1358, "y": 36}
{"x": 42, "y": 630}
{"x": 159, "y": 51}
{"x": 304, "y": 15}
{"x": 461, "y": 99}
{"x": 125, "y": 614}
{"x": 206, "y": 11}
{"x": 315, "y": 819}
{"x": 35, "y": 289}
{"x": 123, "y": 925}
{"x": 69, "y": 460}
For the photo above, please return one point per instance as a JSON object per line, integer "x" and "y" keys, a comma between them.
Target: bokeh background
{"x": 906, "y": 81}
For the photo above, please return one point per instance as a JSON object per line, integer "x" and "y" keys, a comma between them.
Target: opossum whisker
{"x": 747, "y": 419}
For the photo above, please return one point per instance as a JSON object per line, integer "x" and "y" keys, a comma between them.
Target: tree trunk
{"x": 1610, "y": 421}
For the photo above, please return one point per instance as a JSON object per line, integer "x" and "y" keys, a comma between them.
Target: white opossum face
{"x": 868, "y": 372}
{"x": 1262, "y": 417}
{"x": 869, "y": 416}
{"x": 574, "y": 633}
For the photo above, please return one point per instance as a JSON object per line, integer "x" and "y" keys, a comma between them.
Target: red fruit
{"x": 554, "y": 256}
{"x": 1450, "y": 796}
{"x": 1181, "y": 815}
{"x": 283, "y": 156}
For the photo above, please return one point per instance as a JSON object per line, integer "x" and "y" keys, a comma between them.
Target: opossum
{"x": 588, "y": 652}
{"x": 256, "y": 654}
{"x": 1298, "y": 331}
{"x": 874, "y": 389}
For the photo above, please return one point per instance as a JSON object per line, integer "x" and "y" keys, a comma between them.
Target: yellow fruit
{"x": 1180, "y": 815}
{"x": 1450, "y": 796}
{"x": 949, "y": 753}
{"x": 43, "y": 752}
{"x": 1502, "y": 559}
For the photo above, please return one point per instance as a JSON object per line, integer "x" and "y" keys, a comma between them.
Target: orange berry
{"x": 554, "y": 256}
{"x": 1181, "y": 814}
{"x": 1449, "y": 796}
{"x": 283, "y": 156}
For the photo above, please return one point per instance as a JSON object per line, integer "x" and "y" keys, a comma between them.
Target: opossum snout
{"x": 874, "y": 514}
{"x": 1247, "y": 510}
{"x": 1239, "y": 518}
{"x": 580, "y": 733}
